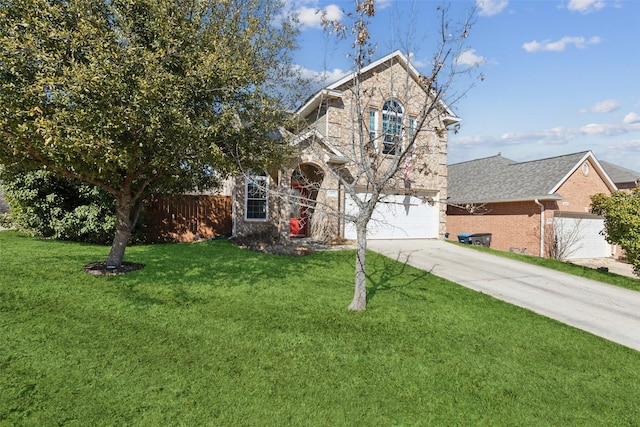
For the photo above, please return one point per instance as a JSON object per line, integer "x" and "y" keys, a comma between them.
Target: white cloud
{"x": 383, "y": 4}
{"x": 585, "y": 6}
{"x": 416, "y": 62}
{"x": 632, "y": 145}
{"x": 322, "y": 77}
{"x": 553, "y": 136}
{"x": 469, "y": 57}
{"x": 560, "y": 45}
{"x": 311, "y": 17}
{"x": 631, "y": 118}
{"x": 491, "y": 7}
{"x": 606, "y": 106}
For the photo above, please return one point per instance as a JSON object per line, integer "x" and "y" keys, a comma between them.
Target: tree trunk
{"x": 359, "y": 302}
{"x": 124, "y": 226}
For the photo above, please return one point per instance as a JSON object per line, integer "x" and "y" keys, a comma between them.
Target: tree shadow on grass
{"x": 219, "y": 263}
{"x": 384, "y": 273}
{"x": 183, "y": 274}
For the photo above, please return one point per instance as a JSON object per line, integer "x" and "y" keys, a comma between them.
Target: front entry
{"x": 299, "y": 220}
{"x": 306, "y": 180}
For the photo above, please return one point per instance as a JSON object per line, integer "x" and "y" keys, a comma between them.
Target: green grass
{"x": 208, "y": 334}
{"x": 566, "y": 267}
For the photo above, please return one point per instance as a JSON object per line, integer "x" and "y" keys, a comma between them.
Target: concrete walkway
{"x": 607, "y": 311}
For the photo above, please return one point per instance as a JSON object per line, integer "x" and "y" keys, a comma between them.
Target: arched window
{"x": 392, "y": 114}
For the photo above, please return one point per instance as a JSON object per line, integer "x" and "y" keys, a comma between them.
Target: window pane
{"x": 373, "y": 118}
{"x": 392, "y": 116}
{"x": 256, "y": 209}
{"x": 256, "y": 197}
{"x": 256, "y": 190}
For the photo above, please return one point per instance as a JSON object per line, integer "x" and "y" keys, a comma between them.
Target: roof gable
{"x": 334, "y": 90}
{"x": 333, "y": 155}
{"x": 496, "y": 179}
{"x": 396, "y": 56}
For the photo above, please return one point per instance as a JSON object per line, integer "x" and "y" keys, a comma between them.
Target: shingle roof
{"x": 620, "y": 175}
{"x": 498, "y": 179}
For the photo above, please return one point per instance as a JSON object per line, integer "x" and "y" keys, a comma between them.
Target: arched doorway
{"x": 305, "y": 183}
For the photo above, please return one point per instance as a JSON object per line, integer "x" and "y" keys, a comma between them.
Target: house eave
{"x": 338, "y": 160}
{"x": 543, "y": 198}
{"x": 315, "y": 101}
{"x": 451, "y": 120}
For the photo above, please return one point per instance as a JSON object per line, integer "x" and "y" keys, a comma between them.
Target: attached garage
{"x": 398, "y": 216}
{"x": 580, "y": 235}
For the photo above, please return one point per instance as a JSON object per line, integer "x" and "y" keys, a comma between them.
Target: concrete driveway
{"x": 607, "y": 311}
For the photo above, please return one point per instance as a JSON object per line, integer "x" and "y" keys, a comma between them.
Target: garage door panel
{"x": 582, "y": 237}
{"x": 398, "y": 217}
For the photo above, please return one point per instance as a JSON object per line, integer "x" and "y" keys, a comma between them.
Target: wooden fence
{"x": 187, "y": 218}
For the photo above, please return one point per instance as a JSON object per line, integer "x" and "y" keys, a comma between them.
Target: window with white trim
{"x": 256, "y": 202}
{"x": 373, "y": 127}
{"x": 392, "y": 115}
{"x": 412, "y": 127}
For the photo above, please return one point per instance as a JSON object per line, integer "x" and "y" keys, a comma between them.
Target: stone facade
{"x": 328, "y": 143}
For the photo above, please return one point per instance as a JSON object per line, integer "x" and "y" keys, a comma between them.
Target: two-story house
{"x": 385, "y": 106}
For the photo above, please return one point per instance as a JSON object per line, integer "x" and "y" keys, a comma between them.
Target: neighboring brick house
{"x": 539, "y": 207}
{"x": 411, "y": 209}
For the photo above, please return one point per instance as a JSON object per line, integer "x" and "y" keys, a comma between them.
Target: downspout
{"x": 541, "y": 227}
{"x": 234, "y": 229}
{"x": 340, "y": 214}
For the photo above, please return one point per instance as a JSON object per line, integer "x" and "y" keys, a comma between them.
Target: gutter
{"x": 548, "y": 197}
{"x": 541, "y": 227}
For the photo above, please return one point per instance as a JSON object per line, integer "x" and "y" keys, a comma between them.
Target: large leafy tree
{"x": 142, "y": 96}
{"x": 621, "y": 212}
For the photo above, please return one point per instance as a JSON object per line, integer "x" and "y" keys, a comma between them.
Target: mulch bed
{"x": 277, "y": 248}
{"x": 100, "y": 268}
{"x": 292, "y": 247}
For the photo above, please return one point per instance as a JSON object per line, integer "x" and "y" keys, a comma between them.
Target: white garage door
{"x": 398, "y": 217}
{"x": 580, "y": 234}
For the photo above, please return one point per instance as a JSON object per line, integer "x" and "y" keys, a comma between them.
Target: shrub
{"x": 621, "y": 212}
{"x": 47, "y": 206}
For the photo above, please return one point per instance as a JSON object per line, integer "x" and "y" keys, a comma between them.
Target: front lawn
{"x": 208, "y": 334}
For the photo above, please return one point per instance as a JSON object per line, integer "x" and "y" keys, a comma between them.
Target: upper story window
{"x": 256, "y": 202}
{"x": 392, "y": 116}
{"x": 373, "y": 128}
{"x": 412, "y": 127}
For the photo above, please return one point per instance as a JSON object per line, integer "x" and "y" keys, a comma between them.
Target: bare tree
{"x": 381, "y": 130}
{"x": 395, "y": 156}
{"x": 567, "y": 238}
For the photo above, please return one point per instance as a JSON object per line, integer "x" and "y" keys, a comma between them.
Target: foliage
{"x": 47, "y": 206}
{"x": 190, "y": 341}
{"x": 141, "y": 97}
{"x": 621, "y": 212}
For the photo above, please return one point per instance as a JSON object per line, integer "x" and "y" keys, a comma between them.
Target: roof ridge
{"x": 582, "y": 153}
{"x": 482, "y": 158}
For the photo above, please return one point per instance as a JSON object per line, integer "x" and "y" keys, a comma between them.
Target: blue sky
{"x": 560, "y": 76}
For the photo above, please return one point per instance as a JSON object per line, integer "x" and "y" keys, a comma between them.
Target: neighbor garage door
{"x": 580, "y": 233}
{"x": 398, "y": 217}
